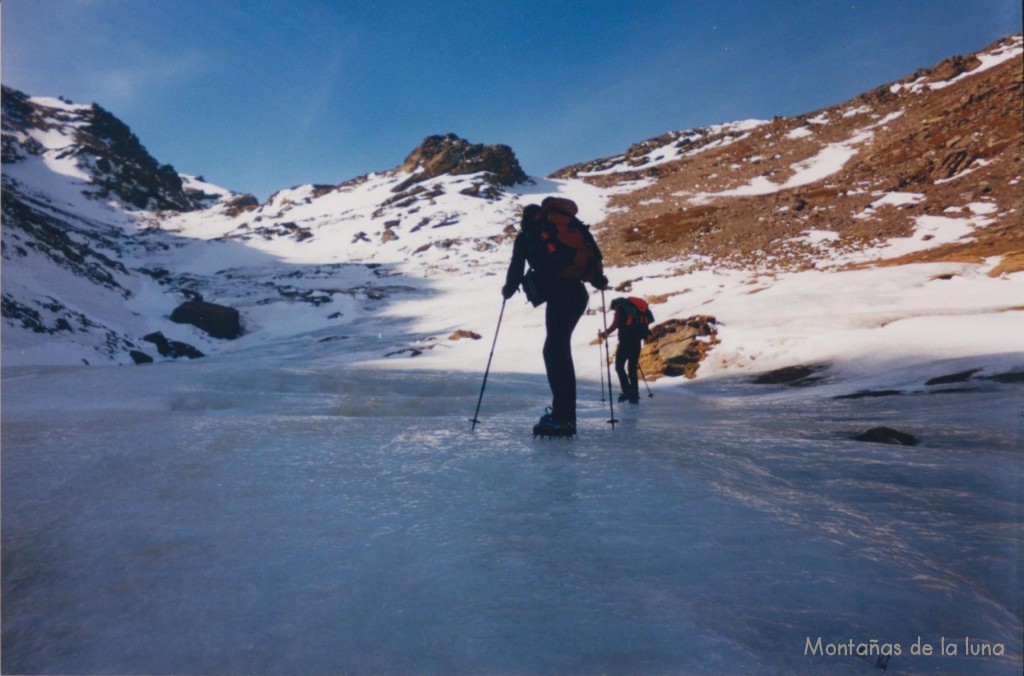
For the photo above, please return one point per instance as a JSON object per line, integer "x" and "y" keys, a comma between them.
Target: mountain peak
{"x": 100, "y": 145}
{"x": 450, "y": 154}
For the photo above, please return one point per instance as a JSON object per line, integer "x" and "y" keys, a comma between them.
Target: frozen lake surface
{"x": 226, "y": 517}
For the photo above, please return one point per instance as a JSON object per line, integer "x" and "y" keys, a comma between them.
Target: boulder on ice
{"x": 219, "y": 321}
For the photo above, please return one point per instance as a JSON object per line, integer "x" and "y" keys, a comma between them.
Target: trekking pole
{"x": 600, "y": 367}
{"x": 608, "y": 363}
{"x": 488, "y": 370}
{"x": 649, "y": 393}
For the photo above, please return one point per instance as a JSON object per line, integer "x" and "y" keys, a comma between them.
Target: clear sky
{"x": 258, "y": 95}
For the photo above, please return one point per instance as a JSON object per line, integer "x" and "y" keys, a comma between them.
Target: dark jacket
{"x": 527, "y": 248}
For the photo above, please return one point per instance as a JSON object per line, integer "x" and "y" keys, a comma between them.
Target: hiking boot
{"x": 556, "y": 428}
{"x": 550, "y": 426}
{"x": 548, "y": 416}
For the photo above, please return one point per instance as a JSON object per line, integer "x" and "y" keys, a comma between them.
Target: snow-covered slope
{"x": 88, "y": 275}
{"x": 389, "y": 265}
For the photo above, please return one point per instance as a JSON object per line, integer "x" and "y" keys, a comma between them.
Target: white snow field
{"x": 279, "y": 513}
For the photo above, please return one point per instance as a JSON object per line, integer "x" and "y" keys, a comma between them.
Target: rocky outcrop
{"x": 125, "y": 169}
{"x": 240, "y": 204}
{"x": 449, "y": 154}
{"x": 218, "y": 321}
{"x": 140, "y": 357}
{"x": 800, "y": 375}
{"x": 677, "y": 347}
{"x": 104, "y": 148}
{"x": 17, "y": 117}
{"x": 887, "y": 435}
{"x": 172, "y": 348}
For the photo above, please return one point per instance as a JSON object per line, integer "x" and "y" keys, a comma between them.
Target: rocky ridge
{"x": 407, "y": 210}
{"x": 948, "y": 139}
{"x": 99, "y": 144}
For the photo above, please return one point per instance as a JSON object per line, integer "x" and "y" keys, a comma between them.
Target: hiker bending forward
{"x": 632, "y": 320}
{"x": 562, "y": 255}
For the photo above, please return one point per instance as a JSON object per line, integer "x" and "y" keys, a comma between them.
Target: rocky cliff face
{"x": 125, "y": 169}
{"x": 449, "y": 154}
{"x": 103, "y": 147}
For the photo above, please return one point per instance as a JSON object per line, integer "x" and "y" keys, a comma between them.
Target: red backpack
{"x": 638, "y": 315}
{"x": 567, "y": 248}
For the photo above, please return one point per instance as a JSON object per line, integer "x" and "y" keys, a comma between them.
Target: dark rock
{"x": 29, "y": 318}
{"x": 413, "y": 352}
{"x": 140, "y": 357}
{"x": 179, "y": 349}
{"x": 125, "y": 169}
{"x": 172, "y": 348}
{"x": 1010, "y": 377}
{"x": 219, "y": 321}
{"x": 887, "y": 435}
{"x": 794, "y": 376}
{"x": 866, "y": 394}
{"x": 158, "y": 339}
{"x": 961, "y": 377}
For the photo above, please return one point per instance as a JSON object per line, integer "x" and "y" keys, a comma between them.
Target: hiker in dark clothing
{"x": 528, "y": 227}
{"x": 562, "y": 255}
{"x": 632, "y": 320}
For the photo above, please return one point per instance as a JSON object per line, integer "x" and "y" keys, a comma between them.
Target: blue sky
{"x": 258, "y": 95}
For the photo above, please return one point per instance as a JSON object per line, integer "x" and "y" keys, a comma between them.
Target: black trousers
{"x": 567, "y": 303}
{"x": 627, "y": 356}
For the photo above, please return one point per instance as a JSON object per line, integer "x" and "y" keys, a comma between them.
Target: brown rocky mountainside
{"x": 745, "y": 195}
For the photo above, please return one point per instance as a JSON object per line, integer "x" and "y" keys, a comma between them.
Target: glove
{"x": 508, "y": 291}
{"x": 600, "y": 283}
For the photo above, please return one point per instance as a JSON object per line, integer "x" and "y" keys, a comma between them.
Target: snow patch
{"x": 898, "y": 199}
{"x": 830, "y": 160}
{"x": 1012, "y": 50}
